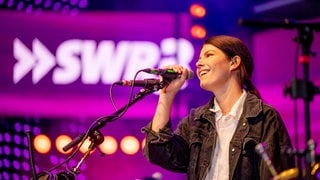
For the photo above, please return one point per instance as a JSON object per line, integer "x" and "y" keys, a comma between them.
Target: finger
{"x": 178, "y": 68}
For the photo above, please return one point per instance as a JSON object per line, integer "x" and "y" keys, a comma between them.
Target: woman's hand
{"x": 175, "y": 85}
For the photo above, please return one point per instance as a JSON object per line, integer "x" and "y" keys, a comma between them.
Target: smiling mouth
{"x": 203, "y": 72}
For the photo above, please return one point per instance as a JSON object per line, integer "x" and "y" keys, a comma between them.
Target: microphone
{"x": 168, "y": 74}
{"x": 261, "y": 151}
{"x": 146, "y": 83}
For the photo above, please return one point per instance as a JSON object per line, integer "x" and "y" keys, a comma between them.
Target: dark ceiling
{"x": 222, "y": 15}
{"x": 293, "y": 9}
{"x": 275, "y": 9}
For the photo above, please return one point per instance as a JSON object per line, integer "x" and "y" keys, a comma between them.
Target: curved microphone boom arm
{"x": 101, "y": 122}
{"x": 96, "y": 137}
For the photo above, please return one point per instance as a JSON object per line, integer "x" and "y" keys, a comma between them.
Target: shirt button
{"x": 244, "y": 124}
{"x": 232, "y": 149}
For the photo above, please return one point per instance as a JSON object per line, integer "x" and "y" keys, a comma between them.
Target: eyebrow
{"x": 208, "y": 51}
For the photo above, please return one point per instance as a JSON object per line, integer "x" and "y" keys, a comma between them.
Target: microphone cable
{"x": 130, "y": 96}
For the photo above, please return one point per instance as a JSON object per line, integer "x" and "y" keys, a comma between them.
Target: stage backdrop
{"x": 61, "y": 65}
{"x": 55, "y": 76}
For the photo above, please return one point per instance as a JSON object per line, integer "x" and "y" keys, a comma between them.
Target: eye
{"x": 209, "y": 55}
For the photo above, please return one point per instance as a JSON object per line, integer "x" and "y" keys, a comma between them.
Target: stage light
{"x": 73, "y": 2}
{"x": 57, "y": 6}
{"x": 17, "y": 139}
{"x": 10, "y": 3}
{"x": 17, "y": 152}
{"x": 85, "y": 146}
{"x": 198, "y": 31}
{"x": 7, "y": 137}
{"x": 37, "y": 6}
{"x": 37, "y": 2}
{"x": 7, "y": 150}
{"x": 83, "y": 3}
{"x": 20, "y": 6}
{"x": 26, "y": 165}
{"x": 197, "y": 10}
{"x": 61, "y": 141}
{"x": 16, "y": 164}
{"x": 109, "y": 145}
{"x": 47, "y": 3}
{"x": 14, "y": 154}
{"x": 129, "y": 145}
{"x": 42, "y": 144}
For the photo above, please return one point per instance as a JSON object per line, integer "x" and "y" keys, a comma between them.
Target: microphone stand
{"x": 303, "y": 88}
{"x": 96, "y": 137}
{"x": 300, "y": 88}
{"x": 101, "y": 122}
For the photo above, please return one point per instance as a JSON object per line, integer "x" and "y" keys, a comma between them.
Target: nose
{"x": 199, "y": 63}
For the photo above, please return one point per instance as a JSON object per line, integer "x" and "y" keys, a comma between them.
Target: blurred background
{"x": 59, "y": 59}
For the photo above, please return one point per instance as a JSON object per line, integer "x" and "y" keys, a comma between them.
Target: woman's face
{"x": 213, "y": 68}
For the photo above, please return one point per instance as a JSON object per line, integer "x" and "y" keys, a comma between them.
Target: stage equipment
{"x": 93, "y": 132}
{"x": 300, "y": 88}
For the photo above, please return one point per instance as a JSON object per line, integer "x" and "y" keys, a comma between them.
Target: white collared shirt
{"x": 226, "y": 126}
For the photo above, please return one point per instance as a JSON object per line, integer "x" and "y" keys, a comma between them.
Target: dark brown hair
{"x": 232, "y": 46}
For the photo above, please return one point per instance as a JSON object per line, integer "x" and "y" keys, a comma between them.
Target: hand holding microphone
{"x": 170, "y": 73}
{"x": 174, "y": 77}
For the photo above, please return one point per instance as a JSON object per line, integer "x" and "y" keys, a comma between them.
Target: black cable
{"x": 86, "y": 135}
{"x": 74, "y": 152}
{"x": 130, "y": 98}
{"x": 111, "y": 97}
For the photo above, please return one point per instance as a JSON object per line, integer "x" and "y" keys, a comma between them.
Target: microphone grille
{"x": 190, "y": 74}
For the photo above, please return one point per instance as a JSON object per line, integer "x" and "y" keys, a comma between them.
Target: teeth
{"x": 203, "y": 73}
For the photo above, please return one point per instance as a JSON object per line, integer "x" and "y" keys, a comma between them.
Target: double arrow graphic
{"x": 40, "y": 60}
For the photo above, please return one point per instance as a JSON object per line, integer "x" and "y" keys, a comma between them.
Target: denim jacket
{"x": 189, "y": 149}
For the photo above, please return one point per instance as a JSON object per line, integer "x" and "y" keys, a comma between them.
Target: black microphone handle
{"x": 146, "y": 83}
{"x": 168, "y": 73}
{"x": 74, "y": 142}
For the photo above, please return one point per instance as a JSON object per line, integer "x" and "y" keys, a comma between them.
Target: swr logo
{"x": 91, "y": 62}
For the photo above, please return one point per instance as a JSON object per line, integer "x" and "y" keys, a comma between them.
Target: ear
{"x": 235, "y": 63}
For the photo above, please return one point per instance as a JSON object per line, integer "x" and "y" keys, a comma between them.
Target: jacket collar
{"x": 253, "y": 106}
